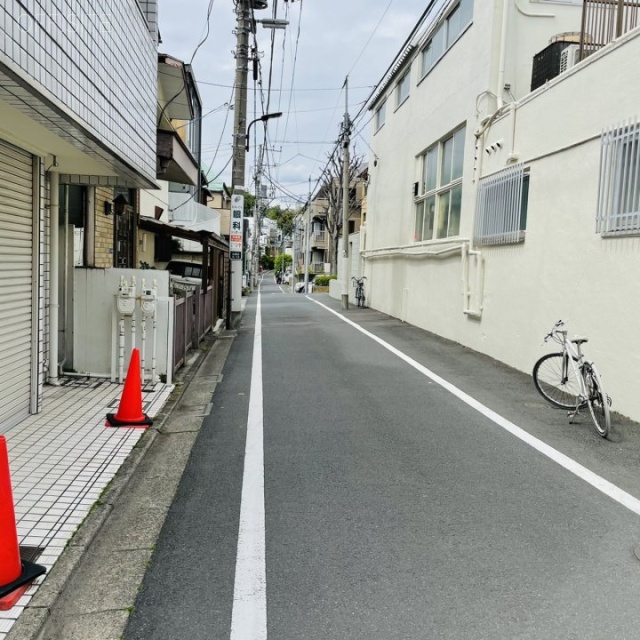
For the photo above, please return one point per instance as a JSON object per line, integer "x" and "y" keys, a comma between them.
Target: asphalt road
{"x": 392, "y": 509}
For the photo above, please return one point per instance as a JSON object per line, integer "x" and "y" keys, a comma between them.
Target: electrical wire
{"x": 370, "y": 37}
{"x": 208, "y": 31}
{"x": 215, "y": 155}
{"x": 293, "y": 71}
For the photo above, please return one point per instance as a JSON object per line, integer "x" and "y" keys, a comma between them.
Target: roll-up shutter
{"x": 16, "y": 282}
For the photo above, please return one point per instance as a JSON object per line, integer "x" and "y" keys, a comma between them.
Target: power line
{"x": 208, "y": 30}
{"x": 370, "y": 37}
{"x": 290, "y": 90}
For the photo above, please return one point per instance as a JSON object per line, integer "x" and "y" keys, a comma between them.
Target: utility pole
{"x": 243, "y": 29}
{"x": 307, "y": 242}
{"x": 346, "y": 141}
{"x": 294, "y": 230}
{"x": 255, "y": 263}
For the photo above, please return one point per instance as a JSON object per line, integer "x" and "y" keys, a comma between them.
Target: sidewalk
{"x": 68, "y": 469}
{"x": 61, "y": 460}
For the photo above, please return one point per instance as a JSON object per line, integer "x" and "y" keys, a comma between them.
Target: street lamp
{"x": 264, "y": 118}
{"x": 273, "y": 23}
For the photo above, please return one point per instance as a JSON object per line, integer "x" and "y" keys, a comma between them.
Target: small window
{"x": 381, "y": 114}
{"x": 501, "y": 208}
{"x": 438, "y": 204}
{"x": 446, "y": 35}
{"x": 619, "y": 189}
{"x": 402, "y": 89}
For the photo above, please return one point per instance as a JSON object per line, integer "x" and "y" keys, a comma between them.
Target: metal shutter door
{"x": 16, "y": 282}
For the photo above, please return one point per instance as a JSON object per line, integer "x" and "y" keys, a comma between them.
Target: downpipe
{"x": 54, "y": 273}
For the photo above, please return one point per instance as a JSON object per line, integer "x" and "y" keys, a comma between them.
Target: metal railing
{"x": 319, "y": 236}
{"x": 605, "y": 20}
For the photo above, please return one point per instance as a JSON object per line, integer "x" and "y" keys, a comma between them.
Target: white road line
{"x": 249, "y": 614}
{"x": 606, "y": 487}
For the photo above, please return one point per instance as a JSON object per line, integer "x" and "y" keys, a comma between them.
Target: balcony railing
{"x": 317, "y": 267}
{"x": 605, "y": 20}
{"x": 319, "y": 236}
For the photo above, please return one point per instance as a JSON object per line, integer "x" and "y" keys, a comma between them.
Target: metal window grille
{"x": 619, "y": 188}
{"x": 501, "y": 208}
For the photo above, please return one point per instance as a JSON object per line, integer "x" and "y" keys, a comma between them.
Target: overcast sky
{"x": 335, "y": 38}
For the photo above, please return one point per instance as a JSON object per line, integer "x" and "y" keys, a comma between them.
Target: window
{"x": 501, "y": 208}
{"x": 446, "y": 35}
{"x": 619, "y": 190}
{"x": 402, "y": 89}
{"x": 381, "y": 114}
{"x": 439, "y": 198}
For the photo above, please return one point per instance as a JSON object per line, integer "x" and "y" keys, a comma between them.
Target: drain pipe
{"x": 503, "y": 53}
{"x": 54, "y": 268}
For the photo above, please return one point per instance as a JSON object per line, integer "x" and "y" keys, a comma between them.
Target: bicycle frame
{"x": 573, "y": 354}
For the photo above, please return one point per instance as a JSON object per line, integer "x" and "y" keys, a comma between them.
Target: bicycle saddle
{"x": 578, "y": 340}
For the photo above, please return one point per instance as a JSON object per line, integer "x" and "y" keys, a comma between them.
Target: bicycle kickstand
{"x": 572, "y": 414}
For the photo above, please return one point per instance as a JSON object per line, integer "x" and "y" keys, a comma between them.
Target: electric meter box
{"x": 126, "y": 300}
{"x": 148, "y": 301}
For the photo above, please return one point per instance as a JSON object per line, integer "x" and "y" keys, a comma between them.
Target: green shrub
{"x": 323, "y": 281}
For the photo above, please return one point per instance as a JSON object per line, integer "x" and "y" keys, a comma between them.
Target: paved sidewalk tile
{"x": 61, "y": 460}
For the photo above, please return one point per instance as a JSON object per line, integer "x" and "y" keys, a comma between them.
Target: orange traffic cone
{"x": 15, "y": 575}
{"x": 130, "y": 409}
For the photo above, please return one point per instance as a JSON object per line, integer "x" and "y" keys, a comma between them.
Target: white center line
{"x": 606, "y": 487}
{"x": 249, "y": 614}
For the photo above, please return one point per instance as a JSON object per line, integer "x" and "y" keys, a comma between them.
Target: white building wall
{"x": 150, "y": 199}
{"x": 563, "y": 269}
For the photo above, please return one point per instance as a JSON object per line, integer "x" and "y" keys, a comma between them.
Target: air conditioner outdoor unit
{"x": 569, "y": 57}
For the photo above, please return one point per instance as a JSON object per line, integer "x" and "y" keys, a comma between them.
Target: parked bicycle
{"x": 358, "y": 283}
{"x": 568, "y": 381}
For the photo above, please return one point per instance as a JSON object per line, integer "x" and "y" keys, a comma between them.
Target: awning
{"x": 162, "y": 228}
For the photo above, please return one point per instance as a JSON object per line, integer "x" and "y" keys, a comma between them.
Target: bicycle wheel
{"x": 557, "y": 387}
{"x": 598, "y": 401}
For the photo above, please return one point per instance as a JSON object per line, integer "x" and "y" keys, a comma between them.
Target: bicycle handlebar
{"x": 558, "y": 327}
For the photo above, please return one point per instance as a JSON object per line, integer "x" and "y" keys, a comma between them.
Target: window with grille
{"x": 501, "y": 207}
{"x": 619, "y": 190}
{"x": 439, "y": 194}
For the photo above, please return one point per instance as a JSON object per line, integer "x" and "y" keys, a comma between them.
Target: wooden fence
{"x": 195, "y": 316}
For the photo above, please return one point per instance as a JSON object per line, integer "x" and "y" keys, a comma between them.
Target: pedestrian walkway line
{"x": 249, "y": 614}
{"x": 606, "y": 487}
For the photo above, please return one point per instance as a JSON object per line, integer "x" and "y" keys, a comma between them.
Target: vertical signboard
{"x": 235, "y": 250}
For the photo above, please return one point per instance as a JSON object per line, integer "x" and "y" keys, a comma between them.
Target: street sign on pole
{"x": 235, "y": 249}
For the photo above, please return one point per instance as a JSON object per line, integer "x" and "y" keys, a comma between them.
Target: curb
{"x": 31, "y": 623}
